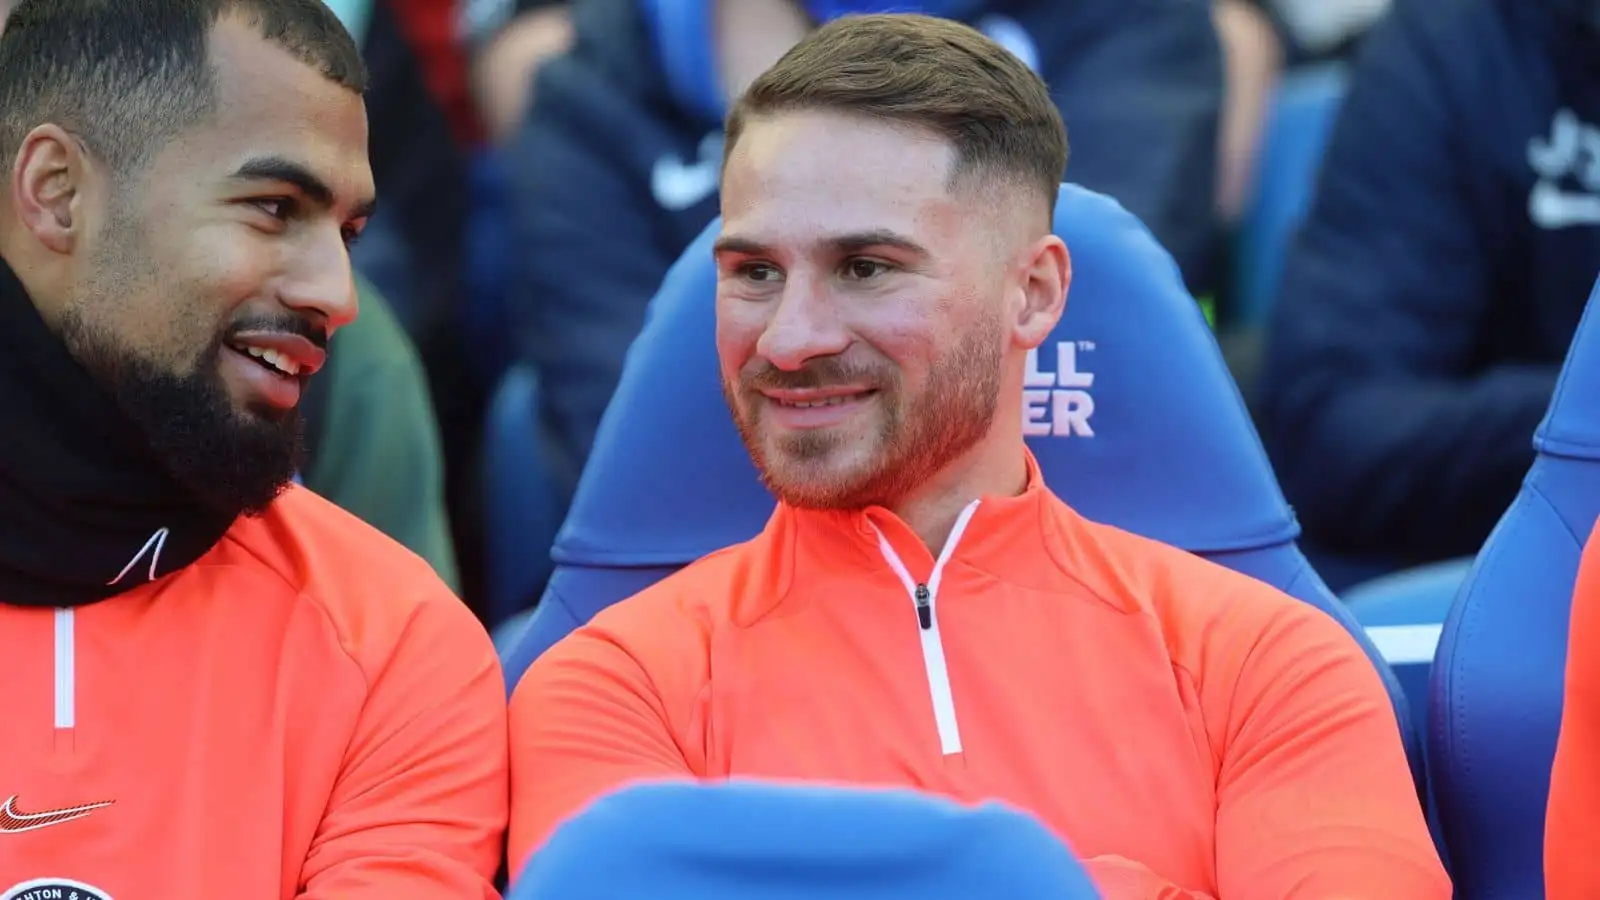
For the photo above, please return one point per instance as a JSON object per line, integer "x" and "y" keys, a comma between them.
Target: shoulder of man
{"x": 699, "y": 597}
{"x": 1211, "y": 617}
{"x": 374, "y": 591}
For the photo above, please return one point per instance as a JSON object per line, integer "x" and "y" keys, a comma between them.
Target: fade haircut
{"x": 127, "y": 76}
{"x": 935, "y": 74}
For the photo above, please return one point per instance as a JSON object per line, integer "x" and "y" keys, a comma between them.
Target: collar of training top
{"x": 988, "y": 535}
{"x": 86, "y": 511}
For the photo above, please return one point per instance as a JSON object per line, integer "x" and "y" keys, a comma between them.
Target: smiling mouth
{"x": 821, "y": 402}
{"x": 271, "y": 360}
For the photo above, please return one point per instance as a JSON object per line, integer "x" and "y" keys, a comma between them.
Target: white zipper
{"x": 924, "y": 599}
{"x": 66, "y": 669}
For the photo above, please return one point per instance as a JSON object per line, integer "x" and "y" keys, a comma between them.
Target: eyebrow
{"x": 842, "y": 244}
{"x": 277, "y": 168}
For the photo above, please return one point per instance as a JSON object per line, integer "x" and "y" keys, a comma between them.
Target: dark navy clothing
{"x": 615, "y": 171}
{"x": 1430, "y": 298}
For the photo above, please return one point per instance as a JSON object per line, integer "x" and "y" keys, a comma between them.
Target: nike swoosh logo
{"x": 677, "y": 186}
{"x": 13, "y": 822}
{"x": 1550, "y": 207}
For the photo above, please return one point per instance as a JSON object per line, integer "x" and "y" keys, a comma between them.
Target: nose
{"x": 803, "y": 326}
{"x": 321, "y": 282}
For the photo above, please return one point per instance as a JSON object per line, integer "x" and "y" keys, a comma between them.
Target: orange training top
{"x": 1572, "y": 821}
{"x": 305, "y": 712}
{"x": 1191, "y": 732}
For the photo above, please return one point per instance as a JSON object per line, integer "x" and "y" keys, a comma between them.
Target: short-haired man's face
{"x": 859, "y": 319}
{"x": 214, "y": 277}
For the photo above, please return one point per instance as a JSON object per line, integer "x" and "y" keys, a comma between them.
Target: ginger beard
{"x": 898, "y": 440}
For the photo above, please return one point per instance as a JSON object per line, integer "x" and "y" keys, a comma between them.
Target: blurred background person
{"x": 1432, "y": 293}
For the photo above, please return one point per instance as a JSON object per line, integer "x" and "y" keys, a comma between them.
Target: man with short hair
{"x": 615, "y": 169}
{"x": 214, "y": 684}
{"x": 921, "y": 610}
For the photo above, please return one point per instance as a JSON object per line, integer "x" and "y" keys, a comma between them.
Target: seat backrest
{"x": 1130, "y": 411}
{"x": 746, "y": 840}
{"x": 1495, "y": 705}
{"x": 523, "y": 500}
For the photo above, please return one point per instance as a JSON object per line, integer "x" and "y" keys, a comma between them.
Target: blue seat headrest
{"x": 1571, "y": 426}
{"x": 746, "y": 839}
{"x": 1132, "y": 413}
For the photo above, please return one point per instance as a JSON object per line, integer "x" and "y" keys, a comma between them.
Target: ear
{"x": 47, "y": 187}
{"x": 1046, "y": 275}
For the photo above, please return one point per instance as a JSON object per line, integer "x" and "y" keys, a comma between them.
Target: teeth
{"x": 831, "y": 401}
{"x": 275, "y": 359}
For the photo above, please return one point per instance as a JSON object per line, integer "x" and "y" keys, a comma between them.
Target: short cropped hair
{"x": 935, "y": 74}
{"x": 127, "y": 76}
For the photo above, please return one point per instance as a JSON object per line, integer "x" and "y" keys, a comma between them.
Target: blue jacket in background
{"x": 745, "y": 840}
{"x": 615, "y": 171}
{"x": 1431, "y": 295}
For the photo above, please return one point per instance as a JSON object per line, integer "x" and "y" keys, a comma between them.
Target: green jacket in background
{"x": 375, "y": 449}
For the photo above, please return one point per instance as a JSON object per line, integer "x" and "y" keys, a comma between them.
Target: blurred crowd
{"x": 542, "y": 164}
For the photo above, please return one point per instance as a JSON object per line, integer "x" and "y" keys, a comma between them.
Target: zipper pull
{"x": 924, "y": 607}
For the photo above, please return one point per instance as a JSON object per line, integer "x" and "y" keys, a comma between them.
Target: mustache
{"x": 285, "y": 324}
{"x": 819, "y": 373}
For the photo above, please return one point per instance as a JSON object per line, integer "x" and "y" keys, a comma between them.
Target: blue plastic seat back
{"x": 522, "y": 502}
{"x": 1130, "y": 410}
{"x": 746, "y": 840}
{"x": 1498, "y": 678}
{"x": 1403, "y": 613}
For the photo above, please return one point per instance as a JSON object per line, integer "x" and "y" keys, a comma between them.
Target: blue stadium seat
{"x": 1299, "y": 117}
{"x": 1498, "y": 678}
{"x": 1131, "y": 412}
{"x": 1403, "y": 613}
{"x": 522, "y": 505}
{"x": 747, "y": 840}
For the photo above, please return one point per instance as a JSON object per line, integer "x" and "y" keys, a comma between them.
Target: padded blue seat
{"x": 1132, "y": 415}
{"x": 1403, "y": 613}
{"x": 746, "y": 840}
{"x": 522, "y": 501}
{"x": 1498, "y": 678}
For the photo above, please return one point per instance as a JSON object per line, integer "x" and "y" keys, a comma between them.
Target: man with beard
{"x": 214, "y": 684}
{"x": 921, "y": 610}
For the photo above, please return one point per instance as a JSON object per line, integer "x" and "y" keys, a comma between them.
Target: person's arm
{"x": 380, "y": 455}
{"x": 1120, "y": 878}
{"x": 1254, "y": 56}
{"x": 419, "y": 808}
{"x": 1141, "y": 90}
{"x": 1572, "y": 819}
{"x": 1387, "y": 436}
{"x": 588, "y": 255}
{"x": 1315, "y": 799}
{"x": 504, "y": 67}
{"x": 589, "y": 716}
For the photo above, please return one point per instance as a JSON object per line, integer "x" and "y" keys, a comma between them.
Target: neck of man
{"x": 86, "y": 509}
{"x": 996, "y": 467}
